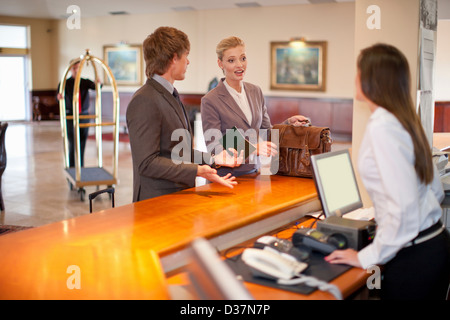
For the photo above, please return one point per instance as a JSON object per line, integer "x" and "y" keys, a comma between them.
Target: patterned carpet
{"x": 4, "y": 229}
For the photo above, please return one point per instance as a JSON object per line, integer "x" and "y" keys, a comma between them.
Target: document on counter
{"x": 317, "y": 215}
{"x": 364, "y": 214}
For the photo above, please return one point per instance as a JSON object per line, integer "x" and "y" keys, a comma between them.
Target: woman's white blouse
{"x": 403, "y": 205}
{"x": 241, "y": 100}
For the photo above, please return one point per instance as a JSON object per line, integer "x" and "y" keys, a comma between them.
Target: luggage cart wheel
{"x": 110, "y": 187}
{"x": 82, "y": 193}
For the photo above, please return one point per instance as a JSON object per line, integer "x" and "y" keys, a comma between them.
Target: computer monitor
{"x": 336, "y": 183}
{"x": 211, "y": 278}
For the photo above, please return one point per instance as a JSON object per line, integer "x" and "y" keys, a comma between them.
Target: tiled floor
{"x": 35, "y": 189}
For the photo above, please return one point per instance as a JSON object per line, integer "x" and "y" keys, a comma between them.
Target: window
{"x": 14, "y": 84}
{"x": 13, "y": 37}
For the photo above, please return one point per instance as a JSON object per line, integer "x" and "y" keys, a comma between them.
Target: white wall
{"x": 399, "y": 27}
{"x": 333, "y": 23}
{"x": 42, "y": 50}
{"x": 53, "y": 45}
{"x": 442, "y": 74}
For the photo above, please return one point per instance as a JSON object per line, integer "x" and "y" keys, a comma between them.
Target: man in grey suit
{"x": 164, "y": 160}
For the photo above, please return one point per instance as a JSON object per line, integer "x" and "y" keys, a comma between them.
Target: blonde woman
{"x": 236, "y": 103}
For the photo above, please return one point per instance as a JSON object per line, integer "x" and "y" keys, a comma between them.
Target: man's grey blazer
{"x": 154, "y": 119}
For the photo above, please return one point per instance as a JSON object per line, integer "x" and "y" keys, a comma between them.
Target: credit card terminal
{"x": 319, "y": 241}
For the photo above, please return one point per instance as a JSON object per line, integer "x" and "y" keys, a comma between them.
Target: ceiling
{"x": 57, "y": 9}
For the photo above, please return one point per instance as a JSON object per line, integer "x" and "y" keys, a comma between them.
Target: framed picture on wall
{"x": 298, "y": 65}
{"x": 125, "y": 62}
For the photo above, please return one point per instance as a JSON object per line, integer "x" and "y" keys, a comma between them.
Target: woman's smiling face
{"x": 234, "y": 63}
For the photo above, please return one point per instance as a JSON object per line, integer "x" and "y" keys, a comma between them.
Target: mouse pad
{"x": 317, "y": 267}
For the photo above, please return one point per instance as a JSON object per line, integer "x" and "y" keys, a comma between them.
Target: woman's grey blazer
{"x": 220, "y": 111}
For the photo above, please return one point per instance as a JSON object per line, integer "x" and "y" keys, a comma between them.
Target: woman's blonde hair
{"x": 228, "y": 43}
{"x": 386, "y": 81}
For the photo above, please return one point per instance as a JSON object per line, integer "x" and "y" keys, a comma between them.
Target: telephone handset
{"x": 283, "y": 268}
{"x": 301, "y": 253}
{"x": 272, "y": 264}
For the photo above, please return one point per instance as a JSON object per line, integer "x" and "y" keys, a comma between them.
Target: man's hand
{"x": 227, "y": 160}
{"x": 210, "y": 174}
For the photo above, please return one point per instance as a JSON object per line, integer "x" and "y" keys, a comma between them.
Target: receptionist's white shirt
{"x": 403, "y": 205}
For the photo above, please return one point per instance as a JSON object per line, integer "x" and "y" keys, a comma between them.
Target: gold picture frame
{"x": 125, "y": 62}
{"x": 298, "y": 65}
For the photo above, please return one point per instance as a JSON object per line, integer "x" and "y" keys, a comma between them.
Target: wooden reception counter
{"x": 111, "y": 254}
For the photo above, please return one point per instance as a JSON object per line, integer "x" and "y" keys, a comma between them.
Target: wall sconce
{"x": 297, "y": 42}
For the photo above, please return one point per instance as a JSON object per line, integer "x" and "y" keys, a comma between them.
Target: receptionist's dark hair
{"x": 386, "y": 81}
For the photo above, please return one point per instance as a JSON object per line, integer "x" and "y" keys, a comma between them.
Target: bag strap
{"x": 282, "y": 131}
{"x": 306, "y": 160}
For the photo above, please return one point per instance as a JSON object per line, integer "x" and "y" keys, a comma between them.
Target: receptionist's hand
{"x": 227, "y": 160}
{"x": 210, "y": 174}
{"x": 347, "y": 256}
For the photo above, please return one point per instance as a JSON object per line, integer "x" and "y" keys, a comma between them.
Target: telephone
{"x": 301, "y": 253}
{"x": 283, "y": 268}
{"x": 272, "y": 264}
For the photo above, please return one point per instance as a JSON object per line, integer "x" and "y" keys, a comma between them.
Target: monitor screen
{"x": 336, "y": 183}
{"x": 211, "y": 277}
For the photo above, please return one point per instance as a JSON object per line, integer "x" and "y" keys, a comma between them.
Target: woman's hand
{"x": 299, "y": 120}
{"x": 347, "y": 256}
{"x": 266, "y": 149}
{"x": 210, "y": 174}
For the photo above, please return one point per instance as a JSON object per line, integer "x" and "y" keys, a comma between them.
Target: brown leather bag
{"x": 296, "y": 145}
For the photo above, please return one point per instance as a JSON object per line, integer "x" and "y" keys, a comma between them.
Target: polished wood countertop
{"x": 113, "y": 248}
{"x": 170, "y": 222}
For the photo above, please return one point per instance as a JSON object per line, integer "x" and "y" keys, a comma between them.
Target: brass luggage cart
{"x": 80, "y": 177}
